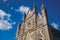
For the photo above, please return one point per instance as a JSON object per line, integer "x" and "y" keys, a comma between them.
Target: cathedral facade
{"x": 35, "y": 26}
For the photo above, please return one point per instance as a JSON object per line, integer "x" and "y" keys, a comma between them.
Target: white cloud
{"x": 3, "y": 14}
{"x": 55, "y": 25}
{"x": 14, "y": 23}
{"x": 5, "y": 0}
{"x": 17, "y": 10}
{"x": 4, "y": 21}
{"x": 5, "y": 25}
{"x": 23, "y": 9}
{"x": 12, "y": 8}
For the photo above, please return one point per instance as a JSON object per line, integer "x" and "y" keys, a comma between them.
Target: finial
{"x": 35, "y": 5}
{"x": 34, "y": 8}
{"x": 43, "y": 6}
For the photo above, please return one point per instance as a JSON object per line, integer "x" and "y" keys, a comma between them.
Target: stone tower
{"x": 34, "y": 26}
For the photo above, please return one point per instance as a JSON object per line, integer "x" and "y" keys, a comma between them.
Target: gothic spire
{"x": 44, "y": 14}
{"x": 18, "y": 30}
{"x": 43, "y": 10}
{"x": 34, "y": 9}
{"x": 19, "y": 26}
{"x": 43, "y": 6}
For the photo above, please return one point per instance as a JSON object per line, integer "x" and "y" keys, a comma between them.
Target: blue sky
{"x": 11, "y": 15}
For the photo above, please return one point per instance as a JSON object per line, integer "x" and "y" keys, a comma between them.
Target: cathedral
{"x": 35, "y": 26}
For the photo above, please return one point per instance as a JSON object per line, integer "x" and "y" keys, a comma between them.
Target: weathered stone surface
{"x": 35, "y": 27}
